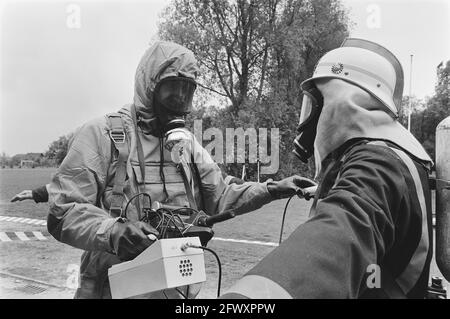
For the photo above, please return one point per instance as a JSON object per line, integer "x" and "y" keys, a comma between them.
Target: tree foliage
{"x": 426, "y": 115}
{"x": 438, "y": 108}
{"x": 58, "y": 149}
{"x": 253, "y": 55}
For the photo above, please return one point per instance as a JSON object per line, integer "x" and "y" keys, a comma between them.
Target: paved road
{"x": 18, "y": 287}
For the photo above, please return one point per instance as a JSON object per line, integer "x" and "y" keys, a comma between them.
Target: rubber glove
{"x": 130, "y": 238}
{"x": 24, "y": 195}
{"x": 289, "y": 186}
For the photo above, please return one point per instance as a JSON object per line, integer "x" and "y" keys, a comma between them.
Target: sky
{"x": 65, "y": 63}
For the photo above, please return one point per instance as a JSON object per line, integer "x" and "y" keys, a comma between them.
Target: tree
{"x": 16, "y": 159}
{"x": 253, "y": 55}
{"x": 427, "y": 115}
{"x": 58, "y": 149}
{"x": 231, "y": 40}
{"x": 4, "y": 160}
{"x": 417, "y": 110}
{"x": 438, "y": 107}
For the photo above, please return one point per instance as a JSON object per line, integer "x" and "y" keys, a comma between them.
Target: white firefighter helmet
{"x": 367, "y": 65}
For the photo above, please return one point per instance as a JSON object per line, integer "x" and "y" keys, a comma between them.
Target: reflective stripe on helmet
{"x": 259, "y": 287}
{"x": 347, "y": 67}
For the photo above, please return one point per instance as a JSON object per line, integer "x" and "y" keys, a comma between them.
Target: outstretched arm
{"x": 241, "y": 198}
{"x": 39, "y": 195}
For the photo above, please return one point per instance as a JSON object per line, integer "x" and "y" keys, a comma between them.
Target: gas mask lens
{"x": 309, "y": 116}
{"x": 307, "y": 107}
{"x": 176, "y": 94}
{"x": 312, "y": 104}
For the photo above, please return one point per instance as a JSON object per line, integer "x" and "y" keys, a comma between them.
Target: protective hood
{"x": 351, "y": 112}
{"x": 162, "y": 60}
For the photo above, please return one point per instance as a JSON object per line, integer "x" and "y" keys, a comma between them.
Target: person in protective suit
{"x": 114, "y": 158}
{"x": 38, "y": 194}
{"x": 369, "y": 233}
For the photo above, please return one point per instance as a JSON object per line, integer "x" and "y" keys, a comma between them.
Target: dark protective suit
{"x": 370, "y": 210}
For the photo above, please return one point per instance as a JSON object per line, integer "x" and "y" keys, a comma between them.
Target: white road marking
{"x": 44, "y": 222}
{"x": 39, "y": 235}
{"x": 21, "y": 235}
{"x": 244, "y": 241}
{"x": 4, "y": 237}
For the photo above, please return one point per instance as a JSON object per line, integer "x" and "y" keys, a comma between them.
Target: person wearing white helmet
{"x": 112, "y": 160}
{"x": 369, "y": 234}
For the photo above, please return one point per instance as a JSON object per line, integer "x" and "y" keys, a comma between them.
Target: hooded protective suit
{"x": 369, "y": 234}
{"x": 80, "y": 192}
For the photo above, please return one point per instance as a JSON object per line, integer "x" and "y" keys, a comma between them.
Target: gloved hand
{"x": 289, "y": 186}
{"x": 129, "y": 238}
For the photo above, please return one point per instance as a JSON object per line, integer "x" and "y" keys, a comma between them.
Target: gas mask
{"x": 172, "y": 101}
{"x": 312, "y": 104}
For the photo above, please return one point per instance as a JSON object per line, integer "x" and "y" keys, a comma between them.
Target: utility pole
{"x": 410, "y": 98}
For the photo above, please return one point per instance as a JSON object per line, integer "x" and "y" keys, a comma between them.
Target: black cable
{"x": 284, "y": 215}
{"x": 160, "y": 221}
{"x": 218, "y": 262}
{"x": 179, "y": 291}
{"x": 164, "y": 226}
{"x": 181, "y": 220}
{"x": 131, "y": 199}
{"x": 172, "y": 219}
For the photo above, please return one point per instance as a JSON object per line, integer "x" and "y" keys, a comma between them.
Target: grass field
{"x": 49, "y": 260}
